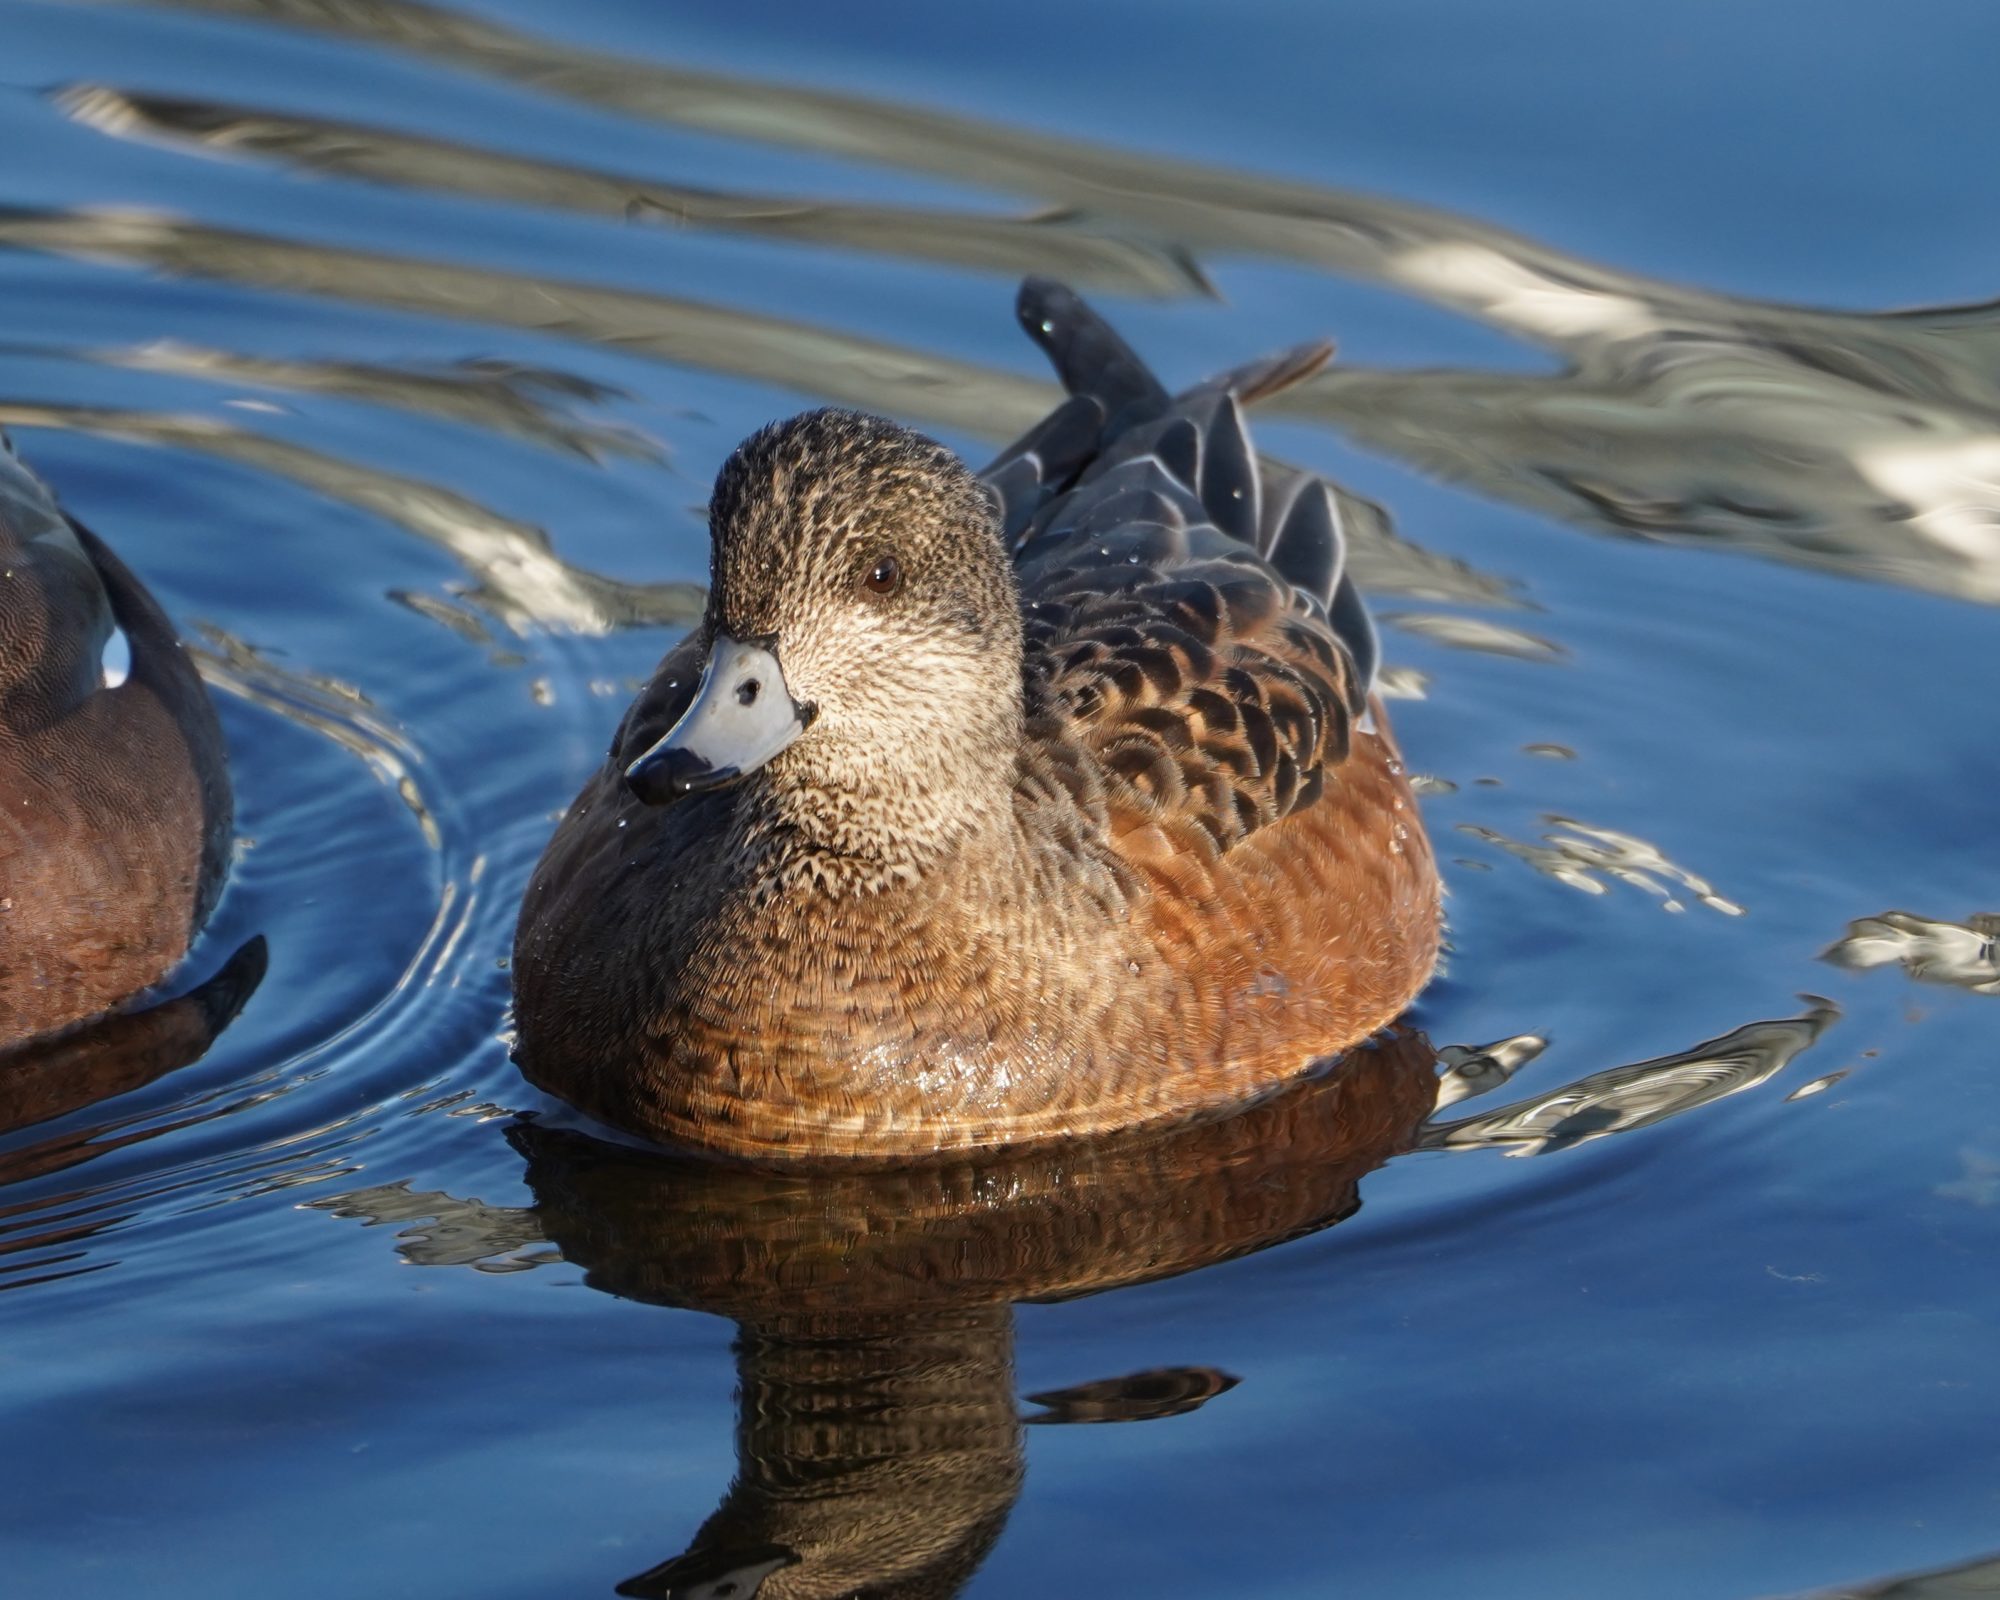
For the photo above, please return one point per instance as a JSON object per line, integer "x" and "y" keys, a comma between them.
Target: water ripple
{"x": 518, "y": 577}
{"x": 1866, "y": 444}
{"x": 1621, "y": 1099}
{"x": 1056, "y": 241}
{"x": 1584, "y": 857}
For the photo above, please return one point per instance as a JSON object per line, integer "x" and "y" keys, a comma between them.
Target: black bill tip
{"x": 663, "y": 775}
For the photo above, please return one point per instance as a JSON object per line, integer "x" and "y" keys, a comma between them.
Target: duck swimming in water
{"x": 115, "y": 808}
{"x": 987, "y": 810}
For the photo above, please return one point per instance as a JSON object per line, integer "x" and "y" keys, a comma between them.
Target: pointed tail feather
{"x": 1088, "y": 355}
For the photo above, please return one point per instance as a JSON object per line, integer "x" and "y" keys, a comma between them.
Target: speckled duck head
{"x": 863, "y": 643}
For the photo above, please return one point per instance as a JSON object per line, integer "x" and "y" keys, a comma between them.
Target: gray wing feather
{"x": 1123, "y": 463}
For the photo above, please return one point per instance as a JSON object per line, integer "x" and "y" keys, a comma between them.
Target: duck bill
{"x": 743, "y": 715}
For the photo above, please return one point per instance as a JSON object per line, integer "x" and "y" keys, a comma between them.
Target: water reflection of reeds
{"x": 521, "y": 580}
{"x": 1052, "y": 241}
{"x": 1964, "y": 954}
{"x": 1621, "y": 1099}
{"x": 518, "y": 578}
{"x": 1857, "y": 443}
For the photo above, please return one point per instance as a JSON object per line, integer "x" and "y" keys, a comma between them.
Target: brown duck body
{"x": 114, "y": 793}
{"x": 1203, "y": 870}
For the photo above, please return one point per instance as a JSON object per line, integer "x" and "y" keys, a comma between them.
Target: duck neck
{"x": 866, "y": 818}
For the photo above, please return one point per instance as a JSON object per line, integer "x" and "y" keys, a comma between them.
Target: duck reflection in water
{"x": 49, "y": 1080}
{"x": 879, "y": 1441}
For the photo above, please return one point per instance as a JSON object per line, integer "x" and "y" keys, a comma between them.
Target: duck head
{"x": 863, "y": 635}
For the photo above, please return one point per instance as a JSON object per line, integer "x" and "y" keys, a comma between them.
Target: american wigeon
{"x": 982, "y": 811}
{"x": 114, "y": 791}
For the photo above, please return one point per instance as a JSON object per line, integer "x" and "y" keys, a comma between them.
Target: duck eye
{"x": 885, "y": 577}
